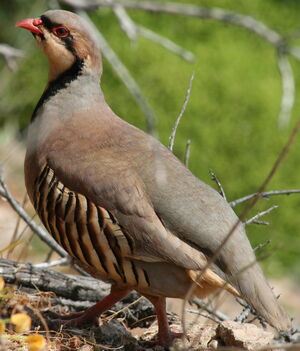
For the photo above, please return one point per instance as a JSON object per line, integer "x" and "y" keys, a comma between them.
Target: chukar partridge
{"x": 118, "y": 201}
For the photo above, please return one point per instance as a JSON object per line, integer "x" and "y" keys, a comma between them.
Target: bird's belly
{"x": 89, "y": 233}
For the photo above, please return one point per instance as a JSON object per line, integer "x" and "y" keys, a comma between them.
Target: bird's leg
{"x": 165, "y": 335}
{"x": 92, "y": 313}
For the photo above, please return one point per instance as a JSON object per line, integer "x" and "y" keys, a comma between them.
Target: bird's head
{"x": 66, "y": 39}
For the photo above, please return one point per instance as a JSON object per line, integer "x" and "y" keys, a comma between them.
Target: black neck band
{"x": 61, "y": 82}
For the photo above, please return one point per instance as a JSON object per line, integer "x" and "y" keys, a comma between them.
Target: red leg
{"x": 92, "y": 313}
{"x": 165, "y": 335}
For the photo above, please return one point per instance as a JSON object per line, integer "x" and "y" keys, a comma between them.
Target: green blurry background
{"x": 232, "y": 115}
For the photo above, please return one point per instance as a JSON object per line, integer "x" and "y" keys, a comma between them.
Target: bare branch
{"x": 261, "y": 222}
{"x": 132, "y": 30}
{"x": 241, "y": 318}
{"x": 10, "y": 55}
{"x": 68, "y": 286}
{"x": 204, "y": 306}
{"x": 166, "y": 43}
{"x": 260, "y": 246}
{"x": 40, "y": 231}
{"x": 61, "y": 262}
{"x": 172, "y": 8}
{"x": 125, "y": 76}
{"x": 260, "y": 214}
{"x": 247, "y": 311}
{"x": 126, "y": 23}
{"x": 288, "y": 89}
{"x": 216, "y": 179}
{"x": 264, "y": 195}
{"x": 186, "y": 100}
{"x": 206, "y": 315}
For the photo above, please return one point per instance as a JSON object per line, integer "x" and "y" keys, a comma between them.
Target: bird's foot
{"x": 92, "y": 314}
{"x": 166, "y": 340}
{"x": 72, "y": 319}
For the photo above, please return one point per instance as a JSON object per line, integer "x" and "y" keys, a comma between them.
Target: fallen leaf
{"x": 2, "y": 327}
{"x": 22, "y": 322}
{"x": 36, "y": 342}
{"x": 2, "y": 283}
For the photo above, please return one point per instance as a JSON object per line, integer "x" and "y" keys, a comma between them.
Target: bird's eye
{"x": 61, "y": 32}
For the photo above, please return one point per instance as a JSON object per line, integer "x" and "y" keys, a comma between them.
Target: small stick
{"x": 264, "y": 194}
{"x": 186, "y": 100}
{"x": 216, "y": 179}
{"x": 260, "y": 214}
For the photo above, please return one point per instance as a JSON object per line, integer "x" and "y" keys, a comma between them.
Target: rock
{"x": 86, "y": 348}
{"x": 201, "y": 336}
{"x": 246, "y": 335}
{"x": 115, "y": 335}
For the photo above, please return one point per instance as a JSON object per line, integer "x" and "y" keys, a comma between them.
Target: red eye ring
{"x": 61, "y": 32}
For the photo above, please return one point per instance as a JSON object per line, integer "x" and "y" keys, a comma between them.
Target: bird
{"x": 118, "y": 201}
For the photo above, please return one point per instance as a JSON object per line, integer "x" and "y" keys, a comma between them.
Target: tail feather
{"x": 255, "y": 289}
{"x": 209, "y": 283}
{"x": 250, "y": 285}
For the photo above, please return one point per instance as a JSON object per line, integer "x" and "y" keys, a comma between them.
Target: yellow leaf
{"x": 22, "y": 322}
{"x": 2, "y": 327}
{"x": 36, "y": 342}
{"x": 2, "y": 283}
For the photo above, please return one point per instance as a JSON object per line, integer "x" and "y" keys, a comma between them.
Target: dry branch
{"x": 258, "y": 215}
{"x": 39, "y": 230}
{"x": 264, "y": 194}
{"x": 287, "y": 87}
{"x": 73, "y": 287}
{"x": 278, "y": 41}
{"x": 124, "y": 75}
{"x": 219, "y": 184}
{"x": 173, "y": 8}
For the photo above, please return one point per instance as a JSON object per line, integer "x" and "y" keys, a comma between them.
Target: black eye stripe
{"x": 48, "y": 24}
{"x": 68, "y": 41}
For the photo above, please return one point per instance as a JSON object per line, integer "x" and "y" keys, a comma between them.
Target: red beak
{"x": 30, "y": 24}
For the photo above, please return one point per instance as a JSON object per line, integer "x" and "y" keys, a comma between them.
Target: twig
{"x": 186, "y": 100}
{"x": 260, "y": 246}
{"x": 265, "y": 195}
{"x": 206, "y": 315}
{"x": 203, "y": 305}
{"x": 247, "y": 310}
{"x": 132, "y": 30}
{"x": 166, "y": 43}
{"x": 126, "y": 23}
{"x": 57, "y": 302}
{"x": 243, "y": 315}
{"x": 37, "y": 229}
{"x": 261, "y": 222}
{"x": 42, "y": 234}
{"x": 61, "y": 262}
{"x": 260, "y": 214}
{"x": 216, "y": 179}
{"x": 288, "y": 89}
{"x": 187, "y": 153}
{"x": 124, "y": 75}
